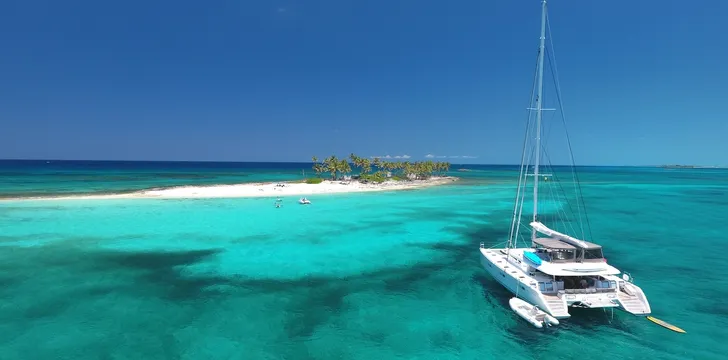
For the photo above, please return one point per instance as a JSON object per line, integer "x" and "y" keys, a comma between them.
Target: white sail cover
{"x": 566, "y": 238}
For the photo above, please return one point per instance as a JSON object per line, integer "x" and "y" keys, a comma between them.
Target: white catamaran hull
{"x": 494, "y": 262}
{"x": 513, "y": 276}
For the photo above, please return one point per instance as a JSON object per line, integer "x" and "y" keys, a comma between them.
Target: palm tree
{"x": 429, "y": 168}
{"x": 331, "y": 166}
{"x": 358, "y": 162}
{"x": 317, "y": 167}
{"x": 378, "y": 164}
{"x": 406, "y": 169}
{"x": 343, "y": 166}
{"x": 366, "y": 166}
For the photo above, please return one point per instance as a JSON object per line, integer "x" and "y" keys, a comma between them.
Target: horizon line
{"x": 310, "y": 162}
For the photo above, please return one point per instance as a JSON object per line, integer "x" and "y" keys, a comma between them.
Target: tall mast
{"x": 539, "y": 110}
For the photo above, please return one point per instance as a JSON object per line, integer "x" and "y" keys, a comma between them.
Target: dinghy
{"x": 531, "y": 313}
{"x": 304, "y": 201}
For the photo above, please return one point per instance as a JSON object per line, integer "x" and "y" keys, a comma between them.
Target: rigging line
{"x": 498, "y": 245}
{"x": 577, "y": 183}
{"x": 512, "y": 237}
{"x": 568, "y": 203}
{"x": 550, "y": 121}
{"x": 523, "y": 195}
{"x": 552, "y": 64}
{"x": 559, "y": 196}
{"x": 521, "y": 201}
{"x": 545, "y": 139}
{"x": 520, "y": 193}
{"x": 523, "y": 157}
{"x": 577, "y": 192}
{"x": 561, "y": 214}
{"x": 556, "y": 177}
{"x": 555, "y": 196}
{"x": 575, "y": 177}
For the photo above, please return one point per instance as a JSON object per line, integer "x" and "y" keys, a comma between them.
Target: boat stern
{"x": 632, "y": 299}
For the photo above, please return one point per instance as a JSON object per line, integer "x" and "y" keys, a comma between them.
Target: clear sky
{"x": 643, "y": 82}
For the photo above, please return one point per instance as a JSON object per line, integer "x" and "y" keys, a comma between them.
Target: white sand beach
{"x": 250, "y": 190}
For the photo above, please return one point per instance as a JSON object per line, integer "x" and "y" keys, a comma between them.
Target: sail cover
{"x": 566, "y": 238}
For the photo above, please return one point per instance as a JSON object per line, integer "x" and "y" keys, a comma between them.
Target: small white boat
{"x": 304, "y": 201}
{"x": 531, "y": 313}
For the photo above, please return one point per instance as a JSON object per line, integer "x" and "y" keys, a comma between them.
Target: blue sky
{"x": 643, "y": 82}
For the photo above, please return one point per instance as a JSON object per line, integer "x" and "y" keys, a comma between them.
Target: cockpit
{"x": 556, "y": 250}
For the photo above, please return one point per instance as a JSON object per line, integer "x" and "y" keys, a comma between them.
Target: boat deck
{"x": 632, "y": 304}
{"x": 557, "y": 307}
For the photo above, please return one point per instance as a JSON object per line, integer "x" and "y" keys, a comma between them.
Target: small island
{"x": 333, "y": 176}
{"x": 679, "y": 166}
{"x": 375, "y": 171}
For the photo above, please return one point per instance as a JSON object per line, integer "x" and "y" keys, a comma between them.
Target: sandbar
{"x": 255, "y": 190}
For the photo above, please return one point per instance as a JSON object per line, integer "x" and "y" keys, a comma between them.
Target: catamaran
{"x": 554, "y": 271}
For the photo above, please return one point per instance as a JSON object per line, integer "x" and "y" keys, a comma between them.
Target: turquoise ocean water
{"x": 390, "y": 275}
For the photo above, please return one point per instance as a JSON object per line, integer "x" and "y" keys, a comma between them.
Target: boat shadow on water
{"x": 581, "y": 320}
{"x": 522, "y": 332}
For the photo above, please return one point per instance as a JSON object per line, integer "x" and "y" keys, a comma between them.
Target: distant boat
{"x": 555, "y": 271}
{"x": 304, "y": 201}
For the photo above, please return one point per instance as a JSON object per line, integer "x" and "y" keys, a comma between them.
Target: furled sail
{"x": 538, "y": 226}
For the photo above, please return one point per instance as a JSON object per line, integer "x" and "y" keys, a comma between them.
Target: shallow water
{"x": 358, "y": 276}
{"x": 40, "y": 178}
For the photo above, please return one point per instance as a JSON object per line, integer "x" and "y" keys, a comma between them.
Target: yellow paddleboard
{"x": 666, "y": 325}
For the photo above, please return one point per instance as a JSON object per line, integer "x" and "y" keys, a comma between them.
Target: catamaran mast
{"x": 539, "y": 110}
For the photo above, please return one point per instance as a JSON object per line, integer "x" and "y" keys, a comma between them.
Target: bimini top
{"x": 577, "y": 269}
{"x": 562, "y": 237}
{"x": 555, "y": 244}
{"x": 594, "y": 265}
